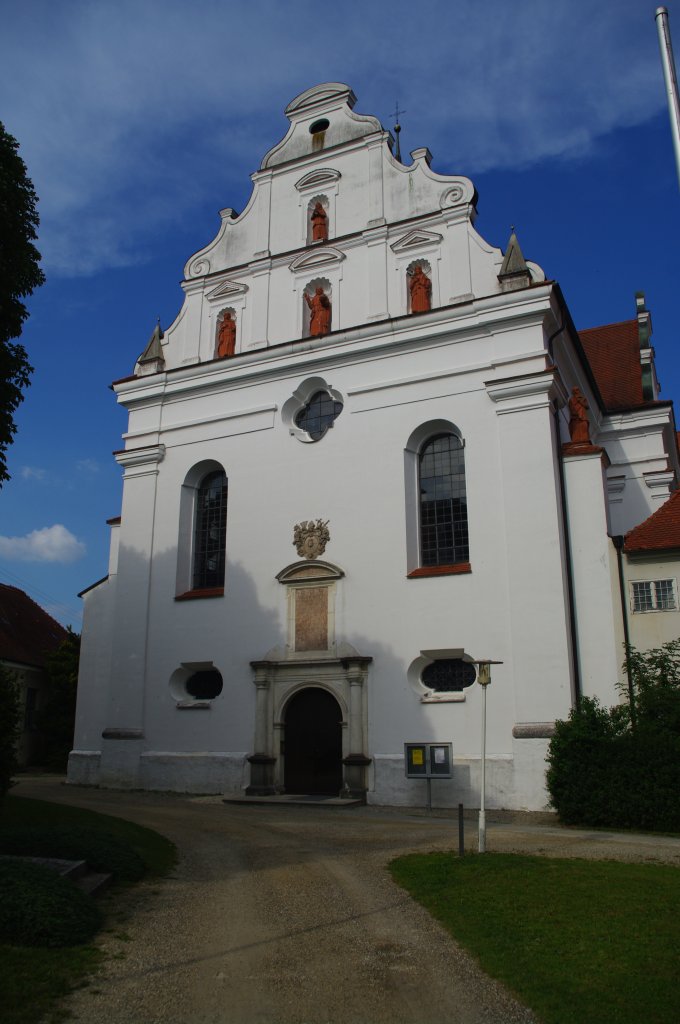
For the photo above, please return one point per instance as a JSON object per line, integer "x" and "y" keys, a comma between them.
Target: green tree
{"x": 9, "y": 729}
{"x": 620, "y": 767}
{"x": 56, "y": 720}
{"x": 655, "y": 678}
{"x": 20, "y": 275}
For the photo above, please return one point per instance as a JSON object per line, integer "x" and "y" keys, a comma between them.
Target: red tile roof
{"x": 613, "y": 352}
{"x": 660, "y": 531}
{"x": 27, "y": 633}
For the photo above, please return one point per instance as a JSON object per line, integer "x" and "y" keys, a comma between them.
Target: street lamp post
{"x": 484, "y": 678}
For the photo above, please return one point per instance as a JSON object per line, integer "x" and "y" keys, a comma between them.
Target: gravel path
{"x": 286, "y": 915}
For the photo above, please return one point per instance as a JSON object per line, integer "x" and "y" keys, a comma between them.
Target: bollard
{"x": 461, "y": 832}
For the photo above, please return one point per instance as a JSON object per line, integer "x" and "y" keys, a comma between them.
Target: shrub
{"x": 40, "y": 908}
{"x": 620, "y": 767}
{"x": 9, "y": 727}
{"x": 101, "y": 850}
{"x": 56, "y": 719}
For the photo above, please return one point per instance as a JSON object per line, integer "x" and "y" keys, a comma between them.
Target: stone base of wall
{"x": 165, "y": 771}
{"x": 515, "y": 782}
{"x": 83, "y": 767}
{"x": 194, "y": 773}
{"x": 512, "y": 783}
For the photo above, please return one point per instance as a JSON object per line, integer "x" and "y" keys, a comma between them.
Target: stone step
{"x": 77, "y": 871}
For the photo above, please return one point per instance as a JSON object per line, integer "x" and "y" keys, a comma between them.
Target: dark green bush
{"x": 620, "y": 767}
{"x": 9, "y": 729}
{"x": 101, "y": 850}
{"x": 40, "y": 908}
{"x": 56, "y": 718}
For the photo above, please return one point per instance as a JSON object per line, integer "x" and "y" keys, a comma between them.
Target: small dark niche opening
{"x": 204, "y": 685}
{"x": 319, "y": 126}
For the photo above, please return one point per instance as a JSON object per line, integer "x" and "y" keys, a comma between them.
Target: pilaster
{"x": 124, "y": 724}
{"x": 597, "y": 605}
{"x": 539, "y": 631}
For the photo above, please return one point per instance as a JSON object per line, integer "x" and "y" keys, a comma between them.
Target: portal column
{"x": 262, "y": 761}
{"x": 356, "y": 762}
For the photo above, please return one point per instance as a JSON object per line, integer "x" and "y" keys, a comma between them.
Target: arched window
{"x": 210, "y": 532}
{"x": 443, "y": 503}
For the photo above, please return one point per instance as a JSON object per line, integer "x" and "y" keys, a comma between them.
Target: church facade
{"x": 370, "y": 453}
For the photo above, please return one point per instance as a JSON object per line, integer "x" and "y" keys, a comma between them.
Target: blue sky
{"x": 139, "y": 120}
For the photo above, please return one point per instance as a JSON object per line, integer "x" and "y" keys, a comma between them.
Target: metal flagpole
{"x": 670, "y": 79}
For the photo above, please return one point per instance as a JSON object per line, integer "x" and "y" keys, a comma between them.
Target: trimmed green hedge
{"x": 40, "y": 908}
{"x": 606, "y": 773}
{"x": 101, "y": 850}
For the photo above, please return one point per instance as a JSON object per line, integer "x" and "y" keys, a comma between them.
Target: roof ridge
{"x": 660, "y": 530}
{"x": 600, "y": 327}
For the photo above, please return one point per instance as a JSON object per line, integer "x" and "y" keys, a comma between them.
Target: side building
{"x": 370, "y": 452}
{"x": 28, "y": 636}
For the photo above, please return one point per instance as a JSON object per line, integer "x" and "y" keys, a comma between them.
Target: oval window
{"x": 449, "y": 675}
{"x": 319, "y": 126}
{"x": 204, "y": 685}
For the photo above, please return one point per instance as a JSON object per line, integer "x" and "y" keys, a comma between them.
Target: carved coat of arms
{"x": 310, "y": 538}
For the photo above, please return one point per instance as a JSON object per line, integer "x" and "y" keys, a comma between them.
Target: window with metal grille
{"x": 318, "y": 415}
{"x": 443, "y": 503}
{"x": 449, "y": 675}
{"x": 210, "y": 532}
{"x": 654, "y": 596}
{"x": 205, "y": 684}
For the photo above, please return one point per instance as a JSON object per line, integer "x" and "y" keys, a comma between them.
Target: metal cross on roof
{"x": 397, "y": 128}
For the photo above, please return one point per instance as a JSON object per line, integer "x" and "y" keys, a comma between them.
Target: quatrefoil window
{"x": 318, "y": 415}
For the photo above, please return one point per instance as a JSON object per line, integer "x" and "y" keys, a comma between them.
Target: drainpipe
{"x": 575, "y": 658}
{"x": 573, "y": 629}
{"x": 618, "y": 544}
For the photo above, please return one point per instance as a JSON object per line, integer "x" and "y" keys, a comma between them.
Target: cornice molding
{"x": 131, "y": 458}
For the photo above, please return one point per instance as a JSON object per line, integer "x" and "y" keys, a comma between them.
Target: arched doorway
{"x": 313, "y": 743}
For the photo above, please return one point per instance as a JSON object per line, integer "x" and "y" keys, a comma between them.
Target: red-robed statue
{"x": 319, "y": 223}
{"x": 319, "y": 313}
{"x": 420, "y": 287}
{"x": 579, "y": 427}
{"x": 226, "y": 337}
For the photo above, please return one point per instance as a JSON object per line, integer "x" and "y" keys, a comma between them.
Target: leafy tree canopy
{"x": 20, "y": 275}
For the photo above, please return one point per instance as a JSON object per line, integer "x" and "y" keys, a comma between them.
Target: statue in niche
{"x": 319, "y": 313}
{"x": 579, "y": 427}
{"x": 319, "y": 223}
{"x": 226, "y": 336}
{"x": 420, "y": 287}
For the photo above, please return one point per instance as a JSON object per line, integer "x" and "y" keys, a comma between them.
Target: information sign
{"x": 428, "y": 760}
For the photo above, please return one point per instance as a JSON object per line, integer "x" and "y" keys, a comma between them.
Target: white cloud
{"x": 129, "y": 113}
{"x": 90, "y": 467}
{"x": 32, "y": 473}
{"x": 51, "y": 544}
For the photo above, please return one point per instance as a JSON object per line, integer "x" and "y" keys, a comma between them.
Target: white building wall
{"x": 479, "y": 365}
{"x": 651, "y": 629}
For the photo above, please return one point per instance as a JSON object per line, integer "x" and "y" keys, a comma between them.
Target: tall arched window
{"x": 443, "y": 503}
{"x": 210, "y": 532}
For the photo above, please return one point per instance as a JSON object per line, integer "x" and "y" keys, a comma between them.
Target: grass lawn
{"x": 33, "y": 980}
{"x": 579, "y": 941}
